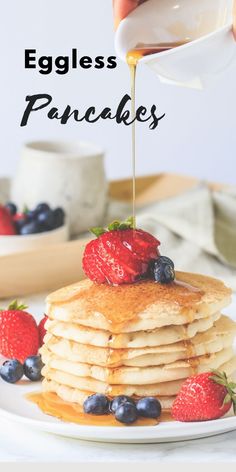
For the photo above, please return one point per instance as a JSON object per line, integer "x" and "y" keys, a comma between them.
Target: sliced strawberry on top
{"x": 120, "y": 254}
{"x": 7, "y": 227}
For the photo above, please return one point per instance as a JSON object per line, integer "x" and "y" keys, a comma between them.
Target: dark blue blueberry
{"x": 59, "y": 217}
{"x": 12, "y": 371}
{"x": 31, "y": 215}
{"x": 20, "y": 223}
{"x": 46, "y": 219}
{"x": 42, "y": 207}
{"x": 97, "y": 404}
{"x": 12, "y": 208}
{"x": 126, "y": 413}
{"x": 149, "y": 407}
{"x": 33, "y": 227}
{"x": 33, "y": 367}
{"x": 162, "y": 270}
{"x": 166, "y": 260}
{"x": 120, "y": 400}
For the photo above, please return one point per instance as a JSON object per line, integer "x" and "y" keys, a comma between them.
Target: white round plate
{"x": 15, "y": 407}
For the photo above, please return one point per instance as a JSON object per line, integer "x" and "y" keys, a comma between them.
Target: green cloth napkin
{"x": 197, "y": 229}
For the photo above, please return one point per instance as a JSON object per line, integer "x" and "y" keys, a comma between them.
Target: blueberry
{"x": 12, "y": 371}
{"x": 12, "y": 208}
{"x": 42, "y": 207}
{"x": 162, "y": 270}
{"x": 126, "y": 413}
{"x": 96, "y": 404}
{"x": 120, "y": 400}
{"x": 19, "y": 224}
{"x": 33, "y": 367}
{"x": 46, "y": 219}
{"x": 32, "y": 227}
{"x": 149, "y": 407}
{"x": 59, "y": 217}
{"x": 166, "y": 260}
{"x": 31, "y": 215}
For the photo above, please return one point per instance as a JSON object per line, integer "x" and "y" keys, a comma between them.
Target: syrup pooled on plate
{"x": 52, "y": 405}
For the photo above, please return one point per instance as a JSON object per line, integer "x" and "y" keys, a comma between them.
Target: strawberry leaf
{"x": 98, "y": 231}
{"x": 234, "y": 406}
{"x": 227, "y": 399}
{"x": 221, "y": 379}
{"x": 17, "y": 306}
{"x": 25, "y": 210}
{"x": 232, "y": 385}
{"x": 131, "y": 222}
{"x": 114, "y": 225}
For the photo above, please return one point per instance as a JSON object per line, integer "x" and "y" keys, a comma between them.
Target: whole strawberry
{"x": 7, "y": 227}
{"x": 19, "y": 337}
{"x": 120, "y": 254}
{"x": 203, "y": 397}
{"x": 42, "y": 330}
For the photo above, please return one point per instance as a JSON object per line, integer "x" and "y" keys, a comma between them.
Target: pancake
{"x": 139, "y": 340}
{"x": 137, "y": 375}
{"x": 74, "y": 395}
{"x": 145, "y": 305}
{"x": 157, "y": 337}
{"x": 160, "y": 389}
{"x": 215, "y": 339}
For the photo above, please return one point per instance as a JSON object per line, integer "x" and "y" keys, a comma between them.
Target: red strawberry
{"x": 19, "y": 217}
{"x": 19, "y": 337}
{"x": 203, "y": 397}
{"x": 119, "y": 255}
{"x": 42, "y": 330}
{"x": 6, "y": 224}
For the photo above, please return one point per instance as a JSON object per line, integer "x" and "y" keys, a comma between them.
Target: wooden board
{"x": 52, "y": 267}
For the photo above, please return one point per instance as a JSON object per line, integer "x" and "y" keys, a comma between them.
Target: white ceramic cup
{"x": 206, "y": 26}
{"x": 66, "y": 174}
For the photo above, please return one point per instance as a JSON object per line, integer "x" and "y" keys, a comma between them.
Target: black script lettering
{"x": 156, "y": 119}
{"x": 32, "y": 99}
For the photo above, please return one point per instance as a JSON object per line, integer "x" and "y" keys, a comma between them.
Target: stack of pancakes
{"x": 139, "y": 340}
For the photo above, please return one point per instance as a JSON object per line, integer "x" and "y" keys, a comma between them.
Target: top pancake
{"x": 141, "y": 306}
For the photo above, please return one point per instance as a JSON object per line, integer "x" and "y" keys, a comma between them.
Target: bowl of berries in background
{"x": 30, "y": 229}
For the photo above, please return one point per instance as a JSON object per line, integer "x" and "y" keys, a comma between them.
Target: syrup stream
{"x": 132, "y": 59}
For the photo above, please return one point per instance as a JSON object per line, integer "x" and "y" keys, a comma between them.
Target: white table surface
{"x": 18, "y": 443}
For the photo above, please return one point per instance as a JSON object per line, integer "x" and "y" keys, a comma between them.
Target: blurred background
{"x": 197, "y": 137}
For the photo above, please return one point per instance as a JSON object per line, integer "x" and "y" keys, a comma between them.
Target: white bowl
{"x": 205, "y": 24}
{"x": 67, "y": 174}
{"x": 18, "y": 243}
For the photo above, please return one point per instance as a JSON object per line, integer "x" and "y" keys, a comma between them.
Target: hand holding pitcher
{"x": 122, "y": 8}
